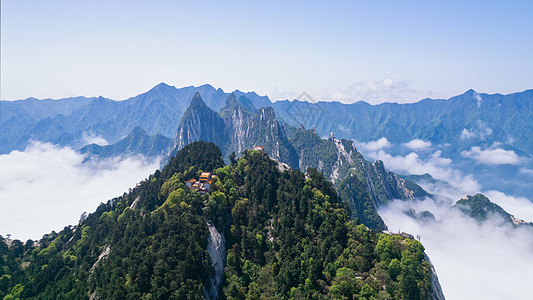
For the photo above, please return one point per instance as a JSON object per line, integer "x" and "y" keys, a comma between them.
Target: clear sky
{"x": 343, "y": 50}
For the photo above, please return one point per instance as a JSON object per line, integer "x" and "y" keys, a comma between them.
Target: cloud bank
{"x": 497, "y": 156}
{"x": 417, "y": 144}
{"x": 46, "y": 187}
{"x": 434, "y": 163}
{"x": 382, "y": 143}
{"x": 519, "y": 207}
{"x": 375, "y": 92}
{"x": 91, "y": 138}
{"x": 473, "y": 261}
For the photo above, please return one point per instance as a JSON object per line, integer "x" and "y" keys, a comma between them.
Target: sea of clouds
{"x": 489, "y": 260}
{"x": 46, "y": 187}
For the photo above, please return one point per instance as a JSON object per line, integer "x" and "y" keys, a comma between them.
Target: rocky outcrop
{"x": 216, "y": 247}
{"x": 200, "y": 122}
{"x": 104, "y": 254}
{"x": 437, "y": 293}
{"x": 247, "y": 130}
{"x": 386, "y": 185}
{"x": 235, "y": 129}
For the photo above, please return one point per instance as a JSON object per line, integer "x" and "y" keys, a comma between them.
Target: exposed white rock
{"x": 104, "y": 254}
{"x": 341, "y": 151}
{"x": 437, "y": 293}
{"x": 134, "y": 204}
{"x": 216, "y": 247}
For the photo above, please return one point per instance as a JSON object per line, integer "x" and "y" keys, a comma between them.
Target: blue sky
{"x": 352, "y": 50}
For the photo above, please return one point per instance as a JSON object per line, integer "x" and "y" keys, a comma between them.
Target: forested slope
{"x": 288, "y": 235}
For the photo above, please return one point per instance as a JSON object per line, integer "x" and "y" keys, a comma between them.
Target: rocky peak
{"x": 200, "y": 122}
{"x": 232, "y": 104}
{"x": 197, "y": 102}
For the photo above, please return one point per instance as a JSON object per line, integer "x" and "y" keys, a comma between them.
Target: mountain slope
{"x": 138, "y": 142}
{"x": 238, "y": 130}
{"x": 487, "y": 118}
{"x": 481, "y": 208}
{"x": 68, "y": 121}
{"x": 463, "y": 121}
{"x": 300, "y": 149}
{"x": 285, "y": 235}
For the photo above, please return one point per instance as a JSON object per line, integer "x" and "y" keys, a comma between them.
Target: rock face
{"x": 247, "y": 130}
{"x": 435, "y": 285}
{"x": 216, "y": 247}
{"x": 200, "y": 123}
{"x": 240, "y": 129}
{"x": 339, "y": 158}
{"x": 104, "y": 254}
{"x": 240, "y": 126}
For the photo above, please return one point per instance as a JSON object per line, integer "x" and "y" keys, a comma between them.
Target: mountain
{"x": 424, "y": 178}
{"x": 365, "y": 185}
{"x": 259, "y": 232}
{"x": 464, "y": 120}
{"x": 232, "y": 103}
{"x": 470, "y": 119}
{"x": 467, "y": 129}
{"x": 17, "y": 118}
{"x": 69, "y": 121}
{"x": 200, "y": 123}
{"x": 240, "y": 129}
{"x": 338, "y": 159}
{"x": 480, "y": 208}
{"x": 137, "y": 142}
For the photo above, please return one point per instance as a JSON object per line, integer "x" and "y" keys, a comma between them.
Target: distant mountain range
{"x": 137, "y": 142}
{"x": 166, "y": 118}
{"x": 462, "y": 121}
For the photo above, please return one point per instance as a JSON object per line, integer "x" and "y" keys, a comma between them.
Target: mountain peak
{"x": 231, "y": 99}
{"x": 232, "y": 103}
{"x": 162, "y": 84}
{"x": 197, "y": 100}
{"x": 207, "y": 86}
{"x": 162, "y": 87}
{"x": 470, "y": 92}
{"x": 138, "y": 130}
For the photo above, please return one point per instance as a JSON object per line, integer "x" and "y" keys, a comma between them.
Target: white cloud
{"x": 478, "y": 99}
{"x": 526, "y": 171}
{"x": 496, "y": 156}
{"x": 437, "y": 166}
{"x": 375, "y": 92}
{"x": 45, "y": 187}
{"x": 276, "y": 95}
{"x": 382, "y": 143}
{"x": 473, "y": 261}
{"x": 519, "y": 207}
{"x": 418, "y": 144}
{"x": 480, "y": 130}
{"x": 91, "y": 138}
{"x": 466, "y": 134}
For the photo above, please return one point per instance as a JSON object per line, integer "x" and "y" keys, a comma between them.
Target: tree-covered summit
{"x": 285, "y": 235}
